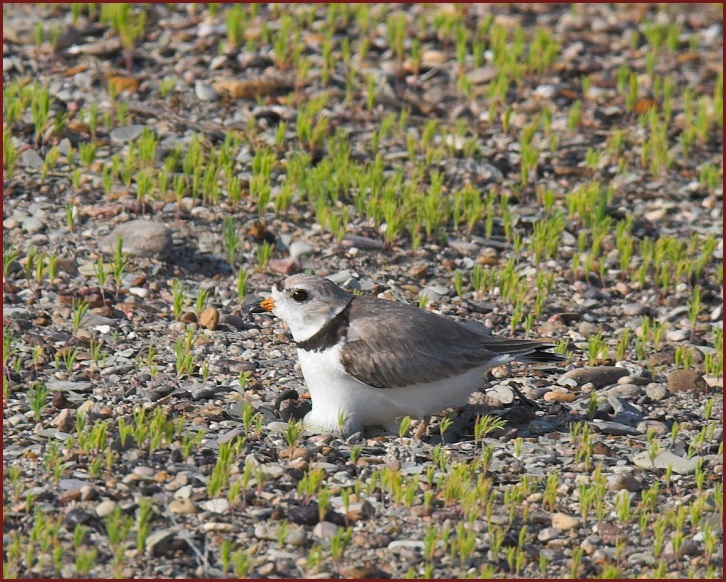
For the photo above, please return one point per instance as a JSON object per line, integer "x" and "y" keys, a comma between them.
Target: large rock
{"x": 141, "y": 238}
{"x": 599, "y": 376}
{"x": 686, "y": 381}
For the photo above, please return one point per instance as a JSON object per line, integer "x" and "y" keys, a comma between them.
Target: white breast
{"x": 342, "y": 403}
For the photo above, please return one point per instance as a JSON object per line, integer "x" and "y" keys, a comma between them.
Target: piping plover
{"x": 369, "y": 361}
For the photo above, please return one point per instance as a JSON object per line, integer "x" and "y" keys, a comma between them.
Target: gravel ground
{"x": 551, "y": 172}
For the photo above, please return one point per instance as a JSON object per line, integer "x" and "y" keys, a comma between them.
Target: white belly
{"x": 342, "y": 403}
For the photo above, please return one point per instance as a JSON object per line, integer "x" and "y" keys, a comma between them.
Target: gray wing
{"x": 390, "y": 344}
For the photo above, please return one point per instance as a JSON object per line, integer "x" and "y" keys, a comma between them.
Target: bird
{"x": 371, "y": 362}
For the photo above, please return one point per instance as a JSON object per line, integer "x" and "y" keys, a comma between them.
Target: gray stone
{"x": 63, "y": 386}
{"x": 296, "y": 536}
{"x": 464, "y": 247}
{"x": 624, "y": 412}
{"x": 641, "y": 558}
{"x": 539, "y": 427}
{"x": 158, "y": 541}
{"x": 678, "y": 335}
{"x": 635, "y": 380}
{"x": 325, "y": 530}
{"x": 142, "y": 473}
{"x": 64, "y": 147}
{"x": 219, "y": 505}
{"x": 351, "y": 284}
{"x": 546, "y": 91}
{"x": 634, "y": 370}
{"x": 501, "y": 393}
{"x": 482, "y": 75}
{"x": 33, "y": 225}
{"x": 654, "y": 426}
{"x": 656, "y": 392}
{"x": 31, "y": 159}
{"x": 627, "y": 391}
{"x": 69, "y": 484}
{"x": 625, "y": 481}
{"x": 234, "y": 321}
{"x": 398, "y": 545}
{"x": 272, "y": 470}
{"x": 587, "y": 329}
{"x": 299, "y": 249}
{"x": 276, "y": 428}
{"x": 635, "y": 309}
{"x": 105, "y": 508}
{"x": 204, "y": 92}
{"x": 680, "y": 465}
{"x": 127, "y": 133}
{"x": 547, "y": 534}
{"x": 141, "y": 238}
{"x": 341, "y": 277}
{"x": 614, "y": 428}
{"x": 489, "y": 172}
{"x": 361, "y": 242}
{"x": 366, "y": 283}
{"x": 433, "y": 293}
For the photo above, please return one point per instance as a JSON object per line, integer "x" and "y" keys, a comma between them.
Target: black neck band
{"x": 330, "y": 334}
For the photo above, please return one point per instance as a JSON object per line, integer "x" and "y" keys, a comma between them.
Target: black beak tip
{"x": 256, "y": 307}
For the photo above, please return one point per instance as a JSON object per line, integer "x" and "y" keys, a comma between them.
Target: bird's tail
{"x": 526, "y": 351}
{"x": 541, "y": 356}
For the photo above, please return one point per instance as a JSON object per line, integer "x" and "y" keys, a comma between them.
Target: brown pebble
{"x": 660, "y": 359}
{"x": 566, "y": 317}
{"x": 64, "y": 422}
{"x": 188, "y": 317}
{"x": 293, "y": 453}
{"x": 299, "y": 464}
{"x": 88, "y": 493}
{"x": 209, "y": 318}
{"x": 60, "y": 401}
{"x": 358, "y": 511}
{"x": 421, "y": 511}
{"x": 600, "y": 448}
{"x": 284, "y": 266}
{"x": 419, "y": 270}
{"x": 564, "y": 522}
{"x": 360, "y": 572}
{"x": 182, "y": 505}
{"x": 488, "y": 256}
{"x": 68, "y": 496}
{"x": 259, "y": 232}
{"x": 559, "y": 396}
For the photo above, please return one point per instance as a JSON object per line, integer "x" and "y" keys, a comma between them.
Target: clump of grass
{"x": 129, "y": 22}
{"x": 38, "y": 399}
{"x": 184, "y": 356}
{"x": 264, "y": 252}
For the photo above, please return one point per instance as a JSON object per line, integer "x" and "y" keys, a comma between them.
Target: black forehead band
{"x": 280, "y": 285}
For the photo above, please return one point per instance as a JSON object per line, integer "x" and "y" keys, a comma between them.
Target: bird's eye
{"x": 299, "y": 295}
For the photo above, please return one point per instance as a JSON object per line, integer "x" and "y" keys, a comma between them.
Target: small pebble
{"x": 564, "y": 522}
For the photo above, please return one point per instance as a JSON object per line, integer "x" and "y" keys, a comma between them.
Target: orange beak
{"x": 268, "y": 304}
{"x": 263, "y": 306}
